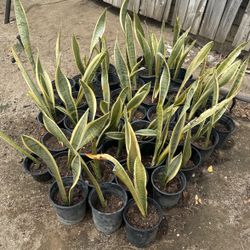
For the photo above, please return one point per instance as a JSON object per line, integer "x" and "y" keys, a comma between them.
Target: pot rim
{"x": 110, "y": 184}
{"x": 215, "y": 137}
{"x": 224, "y": 120}
{"x": 85, "y": 192}
{"x": 28, "y": 161}
{"x": 182, "y": 177}
{"x": 158, "y": 208}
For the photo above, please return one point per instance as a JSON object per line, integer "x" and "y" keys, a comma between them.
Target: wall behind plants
{"x": 224, "y": 21}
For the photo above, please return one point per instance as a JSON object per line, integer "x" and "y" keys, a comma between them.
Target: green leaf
{"x": 140, "y": 183}
{"x": 63, "y": 88}
{"x": 164, "y": 85}
{"x": 122, "y": 69}
{"x": 130, "y": 46}
{"x": 119, "y": 136}
{"x": 123, "y": 13}
{"x": 187, "y": 149}
{"x": 132, "y": 146}
{"x": 91, "y": 99}
{"x": 177, "y": 30}
{"x": 23, "y": 30}
{"x": 98, "y": 31}
{"x": 173, "y": 168}
{"x": 146, "y": 132}
{"x": 76, "y": 171}
{"x": 42, "y": 152}
{"x": 77, "y": 55}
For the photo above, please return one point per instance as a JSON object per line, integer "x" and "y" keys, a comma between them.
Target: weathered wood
{"x": 180, "y": 10}
{"x": 212, "y": 18}
{"x": 167, "y": 10}
{"x": 226, "y": 22}
{"x": 147, "y": 8}
{"x": 190, "y": 13}
{"x": 159, "y": 9}
{"x": 244, "y": 28}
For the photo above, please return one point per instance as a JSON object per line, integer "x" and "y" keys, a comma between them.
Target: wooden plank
{"x": 147, "y": 8}
{"x": 244, "y": 28}
{"x": 226, "y": 22}
{"x": 167, "y": 10}
{"x": 212, "y": 17}
{"x": 134, "y": 5}
{"x": 180, "y": 10}
{"x": 198, "y": 16}
{"x": 191, "y": 13}
{"x": 159, "y": 9}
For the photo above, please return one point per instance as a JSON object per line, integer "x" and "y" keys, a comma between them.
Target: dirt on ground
{"x": 214, "y": 212}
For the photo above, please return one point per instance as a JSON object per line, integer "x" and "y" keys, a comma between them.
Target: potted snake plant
{"x": 142, "y": 214}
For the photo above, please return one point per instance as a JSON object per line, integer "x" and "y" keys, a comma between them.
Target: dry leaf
{"x": 210, "y": 169}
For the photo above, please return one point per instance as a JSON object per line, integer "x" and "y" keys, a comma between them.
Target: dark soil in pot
{"x": 86, "y": 149}
{"x": 106, "y": 173}
{"x": 75, "y": 212}
{"x": 139, "y": 114}
{"x": 138, "y": 125}
{"x": 147, "y": 102}
{"x": 39, "y": 172}
{"x": 224, "y": 127}
{"x": 109, "y": 219}
{"x": 142, "y": 231}
{"x": 51, "y": 142}
{"x": 58, "y": 118}
{"x": 62, "y": 163}
{"x": 168, "y": 195}
{"x": 205, "y": 152}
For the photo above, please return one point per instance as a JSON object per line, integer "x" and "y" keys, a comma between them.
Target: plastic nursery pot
{"x": 51, "y": 142}
{"x": 193, "y": 164}
{"x": 111, "y": 69}
{"x": 111, "y": 147}
{"x": 107, "y": 177}
{"x": 72, "y": 214}
{"x": 108, "y": 220}
{"x": 114, "y": 82}
{"x": 137, "y": 236}
{"x": 83, "y": 104}
{"x": 139, "y": 114}
{"x": 167, "y": 199}
{"x": 40, "y": 174}
{"x": 206, "y": 152}
{"x": 224, "y": 127}
{"x": 141, "y": 124}
{"x": 77, "y": 78}
{"x": 59, "y": 118}
{"x": 176, "y": 83}
{"x": 144, "y": 74}
{"x": 147, "y": 102}
{"x": 67, "y": 122}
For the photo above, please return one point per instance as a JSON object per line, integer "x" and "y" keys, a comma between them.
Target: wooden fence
{"x": 218, "y": 20}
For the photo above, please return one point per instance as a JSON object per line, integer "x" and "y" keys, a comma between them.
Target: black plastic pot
{"x": 111, "y": 69}
{"x": 195, "y": 158}
{"x": 145, "y": 77}
{"x": 206, "y": 152}
{"x": 114, "y": 94}
{"x": 141, "y": 237}
{"x": 149, "y": 105}
{"x": 59, "y": 122}
{"x": 83, "y": 105}
{"x": 77, "y": 78}
{"x": 167, "y": 200}
{"x": 44, "y": 138}
{"x": 69, "y": 215}
{"x": 229, "y": 125}
{"x": 88, "y": 183}
{"x": 138, "y": 125}
{"x": 176, "y": 83}
{"x": 67, "y": 122}
{"x": 147, "y": 150}
{"x": 142, "y": 110}
{"x": 114, "y": 82}
{"x": 108, "y": 144}
{"x": 107, "y": 223}
{"x": 38, "y": 176}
